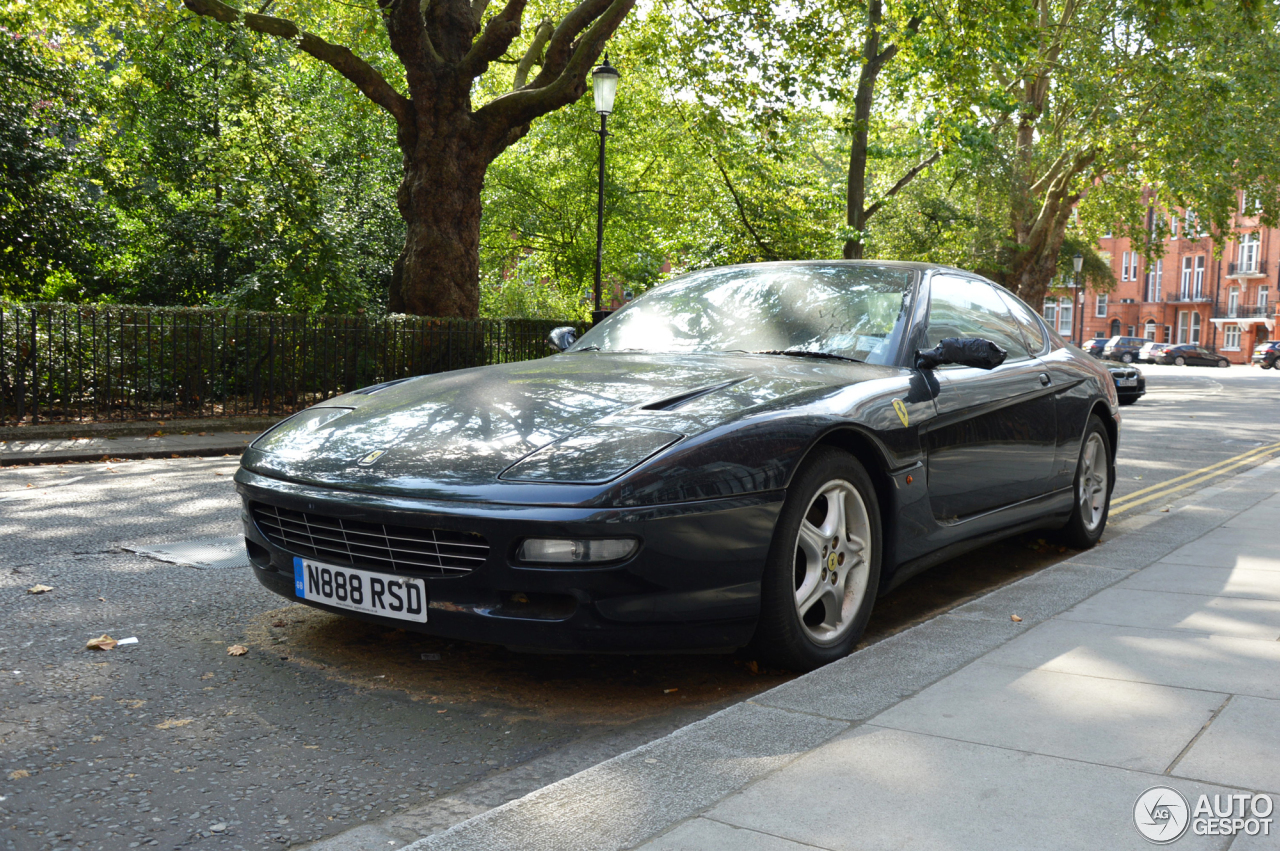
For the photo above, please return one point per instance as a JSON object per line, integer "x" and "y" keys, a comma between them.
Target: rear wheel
{"x": 823, "y": 571}
{"x": 1126, "y": 357}
{"x": 1179, "y": 361}
{"x": 1092, "y": 489}
{"x": 1224, "y": 364}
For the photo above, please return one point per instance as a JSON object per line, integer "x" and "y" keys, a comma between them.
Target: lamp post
{"x": 604, "y": 85}
{"x": 1077, "y": 263}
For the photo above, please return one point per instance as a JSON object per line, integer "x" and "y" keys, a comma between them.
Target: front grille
{"x": 373, "y": 546}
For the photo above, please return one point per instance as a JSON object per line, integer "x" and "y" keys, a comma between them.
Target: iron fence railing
{"x": 69, "y": 362}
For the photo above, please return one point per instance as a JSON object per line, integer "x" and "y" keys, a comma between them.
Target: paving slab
{"x": 1160, "y": 657}
{"x": 1044, "y": 594}
{"x": 625, "y": 800}
{"x": 1263, "y": 515}
{"x": 875, "y": 678}
{"x": 1240, "y": 748}
{"x": 1206, "y": 581}
{"x": 1105, "y": 721}
{"x": 1244, "y": 618}
{"x": 877, "y": 789}
{"x": 1253, "y": 549}
{"x": 704, "y": 833}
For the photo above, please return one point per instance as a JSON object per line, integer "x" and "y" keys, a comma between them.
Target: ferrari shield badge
{"x": 371, "y": 457}
{"x": 897, "y": 406}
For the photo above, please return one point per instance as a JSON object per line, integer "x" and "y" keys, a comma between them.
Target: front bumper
{"x": 693, "y": 585}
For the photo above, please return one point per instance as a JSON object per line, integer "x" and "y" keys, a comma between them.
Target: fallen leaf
{"x": 174, "y": 722}
{"x": 207, "y": 676}
{"x": 19, "y": 774}
{"x": 104, "y": 642}
{"x": 1015, "y": 618}
{"x": 102, "y": 599}
{"x": 237, "y": 650}
{"x": 39, "y": 589}
{"x": 312, "y": 747}
{"x": 754, "y": 667}
{"x": 669, "y": 690}
{"x": 133, "y": 703}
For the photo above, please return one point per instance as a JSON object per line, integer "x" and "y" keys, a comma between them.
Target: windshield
{"x": 853, "y": 311}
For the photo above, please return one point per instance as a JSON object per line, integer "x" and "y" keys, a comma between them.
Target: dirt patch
{"x": 571, "y": 688}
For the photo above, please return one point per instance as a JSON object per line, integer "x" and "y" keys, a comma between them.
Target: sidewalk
{"x": 58, "y": 450}
{"x": 1153, "y": 659}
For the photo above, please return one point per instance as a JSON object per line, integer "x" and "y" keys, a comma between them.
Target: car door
{"x": 1205, "y": 358}
{"x": 993, "y": 441}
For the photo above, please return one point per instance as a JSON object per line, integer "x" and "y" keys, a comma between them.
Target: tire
{"x": 1224, "y": 364}
{"x": 1091, "y": 488}
{"x": 1179, "y": 361}
{"x": 1126, "y": 358}
{"x": 1265, "y": 365}
{"x": 798, "y": 627}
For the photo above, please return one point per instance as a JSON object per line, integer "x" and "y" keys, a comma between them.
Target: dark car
{"x": 1094, "y": 346}
{"x": 1131, "y": 385}
{"x": 1190, "y": 355}
{"x": 1123, "y": 349}
{"x": 1265, "y": 354}
{"x": 743, "y": 455}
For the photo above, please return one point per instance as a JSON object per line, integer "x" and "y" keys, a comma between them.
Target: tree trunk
{"x": 439, "y": 200}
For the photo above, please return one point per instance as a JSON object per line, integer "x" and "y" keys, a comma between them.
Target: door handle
{"x": 1045, "y": 380}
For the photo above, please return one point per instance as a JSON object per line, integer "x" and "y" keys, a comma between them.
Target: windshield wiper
{"x": 802, "y": 353}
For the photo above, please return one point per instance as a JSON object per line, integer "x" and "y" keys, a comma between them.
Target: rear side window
{"x": 1027, "y": 320}
{"x": 965, "y": 308}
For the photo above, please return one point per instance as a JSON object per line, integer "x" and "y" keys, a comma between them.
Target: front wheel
{"x": 1127, "y": 358}
{"x": 1179, "y": 361}
{"x": 1223, "y": 364}
{"x": 1092, "y": 489}
{"x": 823, "y": 570}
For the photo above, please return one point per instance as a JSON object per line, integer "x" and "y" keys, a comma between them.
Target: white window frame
{"x": 1199, "y": 288}
{"x": 1264, "y": 297}
{"x": 1149, "y": 330}
{"x": 1231, "y": 338}
{"x": 1100, "y": 305}
{"x": 1184, "y": 290}
{"x": 1233, "y": 302}
{"x": 1124, "y": 265}
{"x": 1195, "y": 327}
{"x": 1247, "y": 254}
{"x": 1050, "y": 313}
{"x": 1066, "y": 313}
{"x": 1182, "y": 327}
{"x": 1173, "y": 227}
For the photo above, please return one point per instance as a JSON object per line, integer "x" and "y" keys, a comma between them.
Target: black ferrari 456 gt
{"x": 743, "y": 455}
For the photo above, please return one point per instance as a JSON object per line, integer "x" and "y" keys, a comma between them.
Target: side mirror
{"x": 563, "y": 337}
{"x": 966, "y": 351}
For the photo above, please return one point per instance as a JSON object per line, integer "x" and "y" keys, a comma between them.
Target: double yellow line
{"x": 1195, "y": 477}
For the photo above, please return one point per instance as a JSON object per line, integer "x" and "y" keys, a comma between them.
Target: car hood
{"x": 593, "y": 415}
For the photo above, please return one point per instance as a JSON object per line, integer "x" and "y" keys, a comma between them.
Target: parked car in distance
{"x": 1130, "y": 383}
{"x": 1190, "y": 355}
{"x": 1123, "y": 349}
{"x": 1265, "y": 354}
{"x": 1149, "y": 352}
{"x": 747, "y": 455}
{"x": 1094, "y": 346}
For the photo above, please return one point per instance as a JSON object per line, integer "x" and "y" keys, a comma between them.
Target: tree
{"x": 1115, "y": 106}
{"x": 444, "y": 47}
{"x": 50, "y": 229}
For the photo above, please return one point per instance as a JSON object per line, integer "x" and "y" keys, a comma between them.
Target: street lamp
{"x": 1077, "y": 263}
{"x": 604, "y": 85}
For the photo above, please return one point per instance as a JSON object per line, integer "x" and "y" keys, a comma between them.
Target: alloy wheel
{"x": 832, "y": 562}
{"x": 1094, "y": 476}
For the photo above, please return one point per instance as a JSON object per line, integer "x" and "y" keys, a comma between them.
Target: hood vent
{"x": 673, "y": 402}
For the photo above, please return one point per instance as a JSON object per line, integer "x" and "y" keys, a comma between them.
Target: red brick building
{"x": 1227, "y": 305}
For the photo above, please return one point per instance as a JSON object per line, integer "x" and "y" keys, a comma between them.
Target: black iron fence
{"x": 70, "y": 362}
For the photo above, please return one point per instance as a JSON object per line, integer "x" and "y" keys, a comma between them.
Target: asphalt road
{"x": 325, "y": 724}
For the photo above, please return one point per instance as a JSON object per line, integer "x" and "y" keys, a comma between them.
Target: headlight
{"x": 577, "y": 551}
{"x": 298, "y": 432}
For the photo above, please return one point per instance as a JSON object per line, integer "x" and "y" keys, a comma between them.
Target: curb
{"x": 137, "y": 428}
{"x": 642, "y": 793}
{"x": 40, "y": 459}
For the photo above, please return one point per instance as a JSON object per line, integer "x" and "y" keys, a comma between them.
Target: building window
{"x": 1182, "y": 327}
{"x": 1152, "y": 290}
{"x": 1064, "y": 315}
{"x": 1149, "y": 330}
{"x": 1199, "y": 288}
{"x": 1100, "y": 308}
{"x": 1231, "y": 337}
{"x": 1133, "y": 265}
{"x": 1050, "y": 313}
{"x": 1124, "y": 266}
{"x": 1247, "y": 257}
{"x": 1233, "y": 302}
{"x": 1115, "y": 327}
{"x": 1264, "y": 297}
{"x": 1173, "y": 227}
{"x": 1195, "y": 329}
{"x": 1184, "y": 290}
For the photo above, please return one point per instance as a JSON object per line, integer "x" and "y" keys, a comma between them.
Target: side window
{"x": 1026, "y": 318}
{"x": 961, "y": 308}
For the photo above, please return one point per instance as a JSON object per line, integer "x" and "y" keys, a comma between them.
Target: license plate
{"x": 401, "y": 597}
{"x": 1126, "y": 382}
